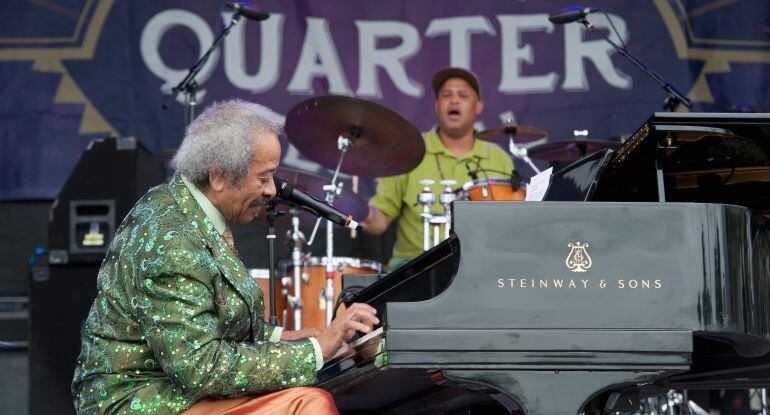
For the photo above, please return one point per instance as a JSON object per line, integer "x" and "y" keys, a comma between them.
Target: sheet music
{"x": 347, "y": 347}
{"x": 538, "y": 185}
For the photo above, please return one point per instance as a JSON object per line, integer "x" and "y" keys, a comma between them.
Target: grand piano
{"x": 657, "y": 277}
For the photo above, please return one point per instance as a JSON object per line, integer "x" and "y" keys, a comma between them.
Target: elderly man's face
{"x": 242, "y": 201}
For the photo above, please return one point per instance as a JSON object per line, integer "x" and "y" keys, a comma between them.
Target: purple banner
{"x": 79, "y": 69}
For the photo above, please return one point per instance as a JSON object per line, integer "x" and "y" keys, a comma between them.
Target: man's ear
{"x": 217, "y": 180}
{"x": 479, "y": 107}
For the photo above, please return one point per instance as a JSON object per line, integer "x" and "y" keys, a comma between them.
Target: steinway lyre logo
{"x": 578, "y": 259}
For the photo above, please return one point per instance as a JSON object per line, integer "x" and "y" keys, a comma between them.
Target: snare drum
{"x": 313, "y": 286}
{"x": 491, "y": 189}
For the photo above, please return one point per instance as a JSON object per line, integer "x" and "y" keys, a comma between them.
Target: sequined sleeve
{"x": 195, "y": 333}
{"x": 267, "y": 331}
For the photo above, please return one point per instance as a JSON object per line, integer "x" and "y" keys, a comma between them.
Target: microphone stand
{"x": 674, "y": 97}
{"x": 271, "y": 215}
{"x": 188, "y": 84}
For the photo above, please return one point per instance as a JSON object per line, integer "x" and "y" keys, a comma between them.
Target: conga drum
{"x": 491, "y": 189}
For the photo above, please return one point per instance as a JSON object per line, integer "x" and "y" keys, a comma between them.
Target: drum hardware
{"x": 426, "y": 198}
{"x": 298, "y": 238}
{"x": 363, "y": 131}
{"x": 521, "y": 153}
{"x": 331, "y": 190}
{"x": 446, "y": 200}
{"x": 334, "y": 189}
{"x": 435, "y": 221}
{"x": 322, "y": 299}
{"x": 523, "y": 133}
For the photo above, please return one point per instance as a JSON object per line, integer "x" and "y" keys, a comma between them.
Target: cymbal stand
{"x": 521, "y": 154}
{"x": 298, "y": 239}
{"x": 332, "y": 190}
{"x": 426, "y": 198}
{"x": 446, "y": 200}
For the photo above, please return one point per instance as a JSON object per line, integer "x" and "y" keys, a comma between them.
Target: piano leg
{"x": 548, "y": 392}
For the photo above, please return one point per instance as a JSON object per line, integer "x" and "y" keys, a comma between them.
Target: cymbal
{"x": 569, "y": 150}
{"x": 521, "y": 134}
{"x": 313, "y": 184}
{"x": 384, "y": 143}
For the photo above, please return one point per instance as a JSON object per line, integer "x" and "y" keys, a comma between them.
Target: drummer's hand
{"x": 300, "y": 334}
{"x": 358, "y": 317}
{"x": 376, "y": 223}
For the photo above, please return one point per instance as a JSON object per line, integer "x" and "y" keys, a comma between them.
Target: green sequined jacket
{"x": 177, "y": 318}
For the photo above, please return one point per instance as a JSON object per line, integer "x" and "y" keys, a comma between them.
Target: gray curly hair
{"x": 222, "y": 139}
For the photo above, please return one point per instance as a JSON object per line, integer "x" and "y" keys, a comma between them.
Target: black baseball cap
{"x": 452, "y": 72}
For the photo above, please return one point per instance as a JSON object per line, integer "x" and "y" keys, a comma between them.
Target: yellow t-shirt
{"x": 396, "y": 196}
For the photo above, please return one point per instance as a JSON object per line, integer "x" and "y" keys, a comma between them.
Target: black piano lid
{"x": 578, "y": 180}
{"x": 706, "y": 157}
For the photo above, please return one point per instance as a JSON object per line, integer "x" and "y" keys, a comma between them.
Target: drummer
{"x": 452, "y": 151}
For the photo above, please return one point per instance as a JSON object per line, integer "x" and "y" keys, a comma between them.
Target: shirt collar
{"x": 434, "y": 145}
{"x": 214, "y": 215}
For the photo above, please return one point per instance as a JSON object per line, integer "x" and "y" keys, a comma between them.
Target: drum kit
{"x": 351, "y": 136}
{"x": 362, "y": 138}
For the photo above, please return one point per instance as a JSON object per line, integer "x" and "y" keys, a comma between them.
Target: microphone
{"x": 288, "y": 193}
{"x": 473, "y": 174}
{"x": 248, "y": 10}
{"x": 571, "y": 14}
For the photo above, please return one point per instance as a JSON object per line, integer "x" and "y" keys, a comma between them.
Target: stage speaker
{"x": 111, "y": 175}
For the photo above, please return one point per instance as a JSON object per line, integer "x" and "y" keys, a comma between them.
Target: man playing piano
{"x": 452, "y": 151}
{"x": 178, "y": 325}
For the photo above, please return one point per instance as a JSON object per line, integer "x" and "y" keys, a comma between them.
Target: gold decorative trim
{"x": 730, "y": 42}
{"x": 50, "y": 60}
{"x": 715, "y": 61}
{"x": 75, "y": 36}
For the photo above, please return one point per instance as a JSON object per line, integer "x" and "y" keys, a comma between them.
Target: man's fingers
{"x": 363, "y": 306}
{"x": 364, "y": 315}
{"x": 357, "y": 326}
{"x": 362, "y": 312}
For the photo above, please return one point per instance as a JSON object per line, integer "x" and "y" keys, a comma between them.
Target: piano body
{"x": 566, "y": 306}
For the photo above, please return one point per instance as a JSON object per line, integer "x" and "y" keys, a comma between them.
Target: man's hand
{"x": 358, "y": 317}
{"x": 376, "y": 223}
{"x": 300, "y": 334}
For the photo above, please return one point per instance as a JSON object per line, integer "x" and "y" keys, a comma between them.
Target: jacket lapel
{"x": 227, "y": 261}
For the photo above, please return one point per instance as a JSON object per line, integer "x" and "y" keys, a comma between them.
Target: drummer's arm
{"x": 377, "y": 222}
